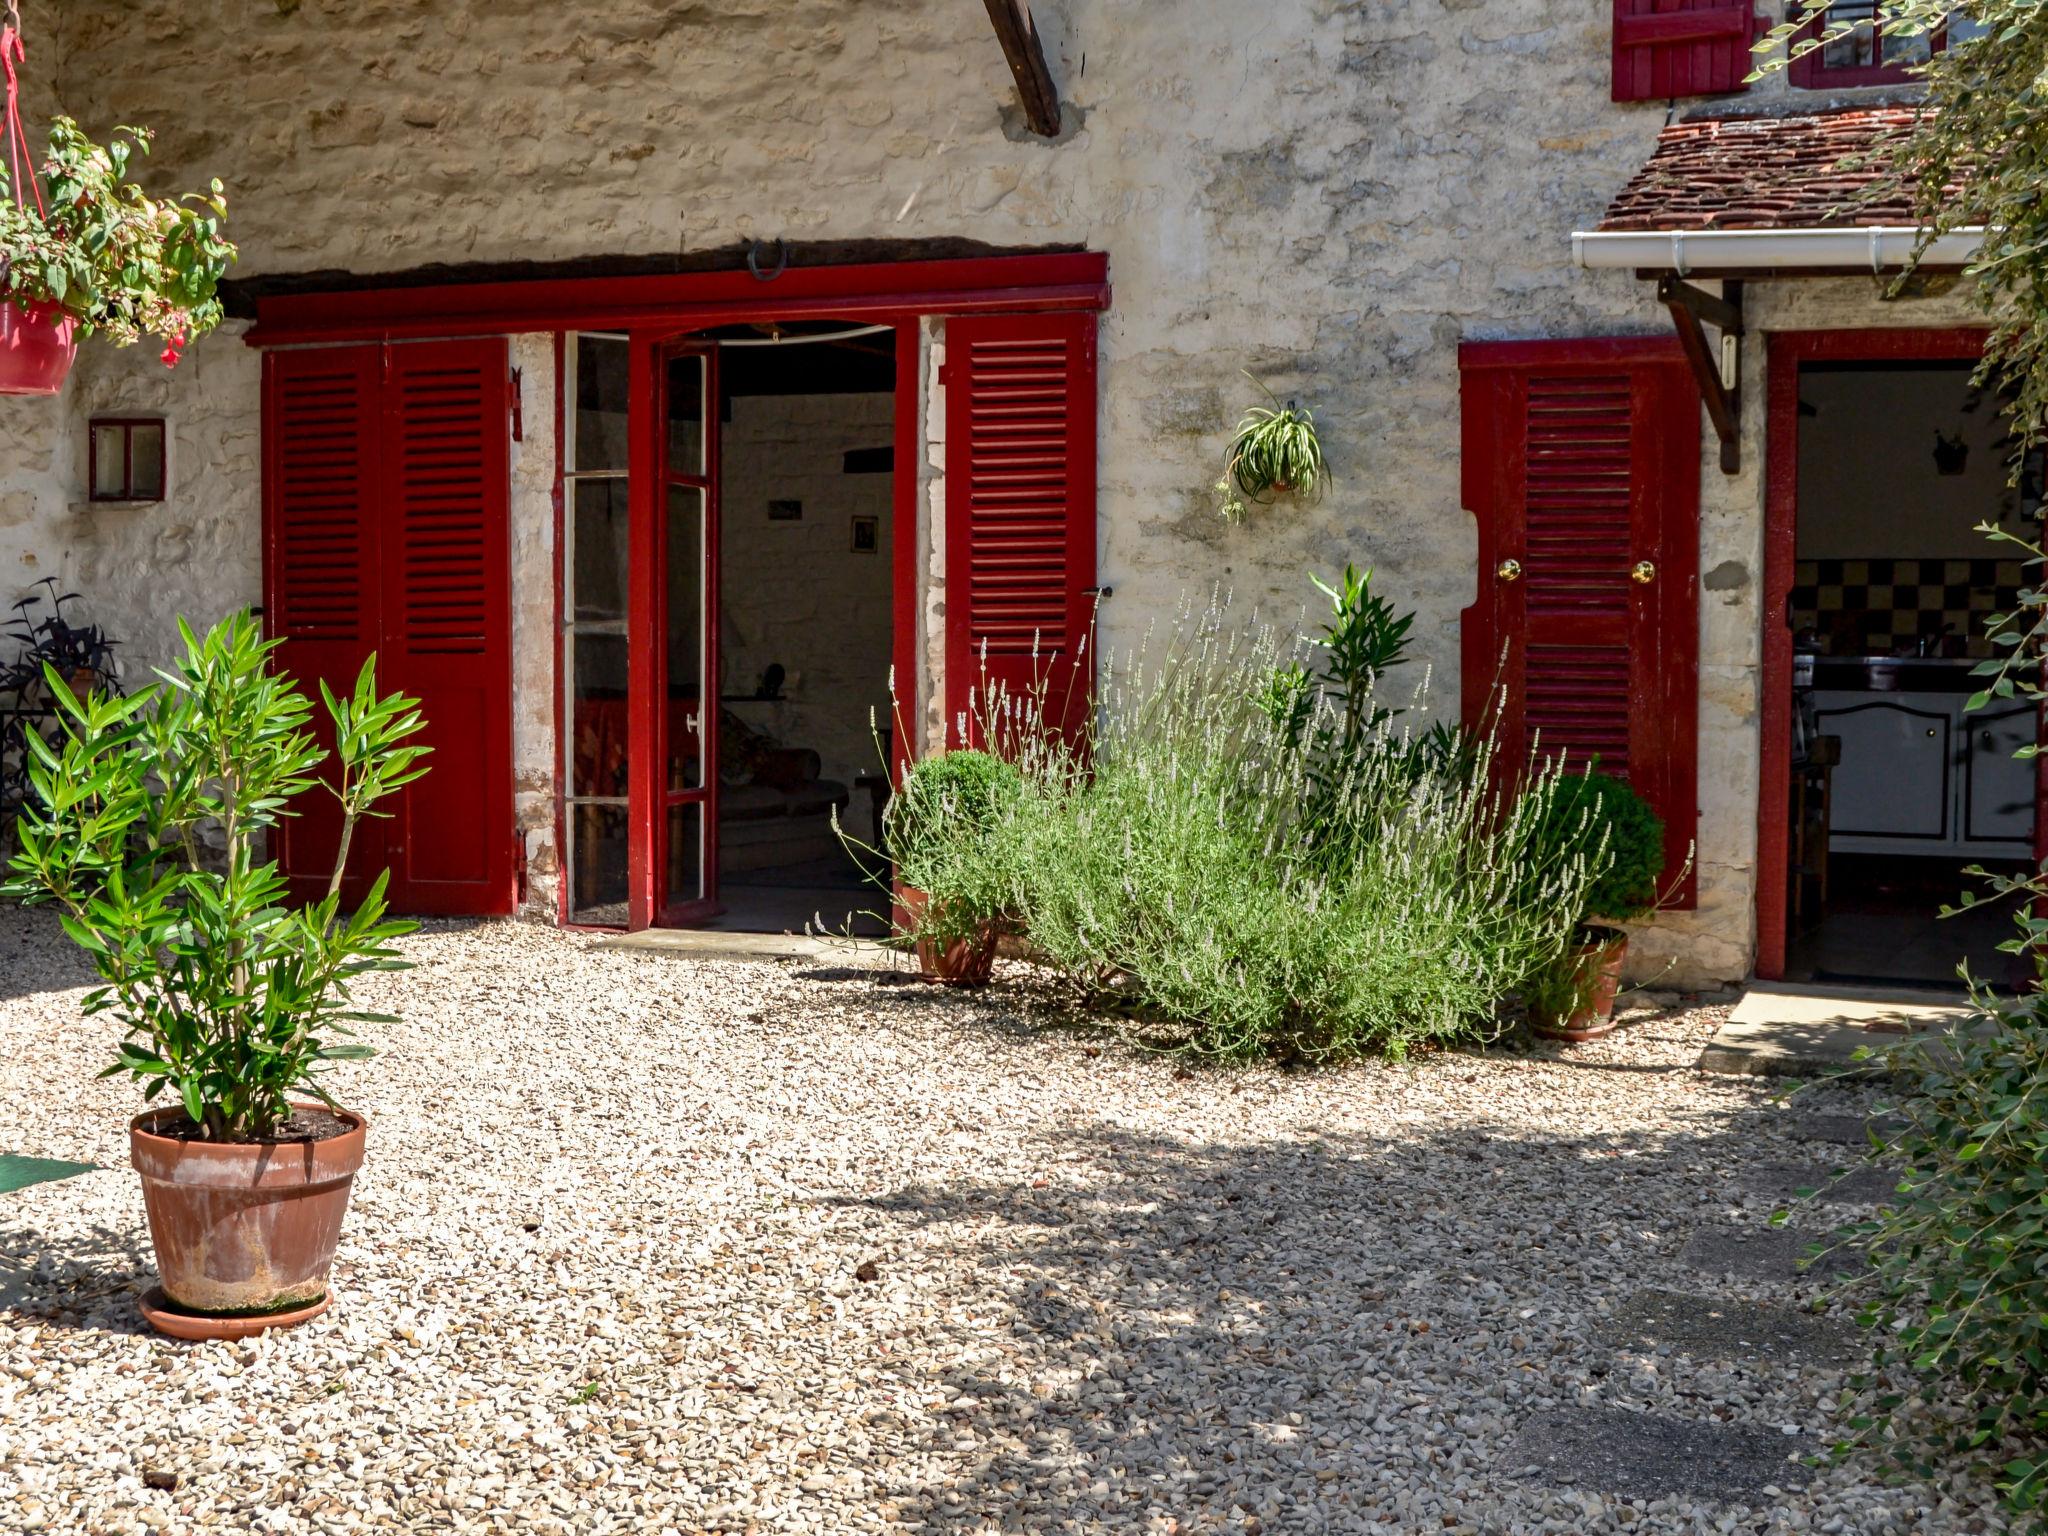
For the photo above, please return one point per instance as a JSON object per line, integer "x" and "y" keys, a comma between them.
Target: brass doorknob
{"x": 1643, "y": 572}
{"x": 1509, "y": 570}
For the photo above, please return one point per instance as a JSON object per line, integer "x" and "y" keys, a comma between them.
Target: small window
{"x": 1861, "y": 56}
{"x": 127, "y": 459}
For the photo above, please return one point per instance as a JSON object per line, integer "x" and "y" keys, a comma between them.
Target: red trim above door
{"x": 688, "y": 301}
{"x": 1786, "y": 351}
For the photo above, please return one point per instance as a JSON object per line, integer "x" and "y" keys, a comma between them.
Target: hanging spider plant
{"x": 1275, "y": 453}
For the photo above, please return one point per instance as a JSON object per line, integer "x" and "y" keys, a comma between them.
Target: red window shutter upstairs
{"x": 1020, "y": 513}
{"x": 1668, "y": 48}
{"x": 1581, "y": 462}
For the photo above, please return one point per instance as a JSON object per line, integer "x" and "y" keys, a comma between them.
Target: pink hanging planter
{"x": 37, "y": 345}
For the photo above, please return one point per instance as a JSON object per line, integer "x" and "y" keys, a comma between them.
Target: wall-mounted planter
{"x": 37, "y": 345}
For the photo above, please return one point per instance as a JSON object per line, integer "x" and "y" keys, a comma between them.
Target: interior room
{"x": 1895, "y": 786}
{"x": 806, "y": 622}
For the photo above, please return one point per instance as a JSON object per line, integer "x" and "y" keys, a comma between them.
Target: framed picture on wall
{"x": 867, "y": 535}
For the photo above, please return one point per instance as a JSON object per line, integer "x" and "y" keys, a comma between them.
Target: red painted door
{"x": 1020, "y": 517}
{"x": 1581, "y": 462}
{"x": 684, "y": 723}
{"x": 321, "y": 442}
{"x": 386, "y": 505}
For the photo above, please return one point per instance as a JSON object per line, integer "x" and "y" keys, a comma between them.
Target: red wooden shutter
{"x": 385, "y": 511}
{"x": 1667, "y": 48}
{"x": 1020, "y": 514}
{"x": 1582, "y": 466}
{"x": 447, "y": 622}
{"x": 320, "y": 561}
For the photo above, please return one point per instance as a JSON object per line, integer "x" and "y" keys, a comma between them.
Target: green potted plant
{"x": 952, "y": 889}
{"x": 1597, "y": 817}
{"x": 1275, "y": 452}
{"x": 147, "y": 830}
{"x": 96, "y": 255}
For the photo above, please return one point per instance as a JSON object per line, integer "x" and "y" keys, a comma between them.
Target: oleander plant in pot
{"x": 92, "y": 254}
{"x": 1601, "y": 819}
{"x": 945, "y": 829}
{"x": 148, "y": 830}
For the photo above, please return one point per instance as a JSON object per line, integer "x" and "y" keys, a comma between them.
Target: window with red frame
{"x": 1862, "y": 55}
{"x": 126, "y": 459}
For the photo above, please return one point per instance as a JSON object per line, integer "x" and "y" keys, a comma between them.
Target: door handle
{"x": 1509, "y": 570}
{"x": 1930, "y": 731}
{"x": 1643, "y": 573}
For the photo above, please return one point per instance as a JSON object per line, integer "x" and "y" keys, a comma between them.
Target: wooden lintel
{"x": 1689, "y": 306}
{"x": 1019, "y": 37}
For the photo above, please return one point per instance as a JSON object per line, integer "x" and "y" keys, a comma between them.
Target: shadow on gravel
{"x": 89, "y": 1280}
{"x": 1305, "y": 1330}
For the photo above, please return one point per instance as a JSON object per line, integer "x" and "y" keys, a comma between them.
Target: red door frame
{"x": 1787, "y": 351}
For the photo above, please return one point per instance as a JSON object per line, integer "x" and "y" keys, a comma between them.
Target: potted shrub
{"x": 96, "y": 255}
{"x": 952, "y": 888}
{"x": 147, "y": 830}
{"x": 1598, "y": 817}
{"x": 1275, "y": 452}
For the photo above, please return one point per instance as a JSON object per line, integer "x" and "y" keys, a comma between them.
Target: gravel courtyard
{"x": 649, "y": 1244}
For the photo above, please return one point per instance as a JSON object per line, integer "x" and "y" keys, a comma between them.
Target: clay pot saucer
{"x": 166, "y": 1317}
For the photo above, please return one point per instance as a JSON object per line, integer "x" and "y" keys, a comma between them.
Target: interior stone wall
{"x": 795, "y": 592}
{"x": 1330, "y": 195}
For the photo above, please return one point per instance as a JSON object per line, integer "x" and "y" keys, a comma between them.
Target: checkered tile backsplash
{"x": 1878, "y": 607}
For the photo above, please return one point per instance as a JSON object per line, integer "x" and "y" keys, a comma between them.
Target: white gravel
{"x": 649, "y": 1244}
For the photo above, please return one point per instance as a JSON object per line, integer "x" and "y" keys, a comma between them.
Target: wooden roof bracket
{"x": 1720, "y": 378}
{"x": 1018, "y": 34}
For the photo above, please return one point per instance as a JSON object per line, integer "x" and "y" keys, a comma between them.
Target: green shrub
{"x": 1960, "y": 1252}
{"x": 1248, "y": 883}
{"x": 229, "y": 997}
{"x": 946, "y": 829}
{"x": 1602, "y": 818}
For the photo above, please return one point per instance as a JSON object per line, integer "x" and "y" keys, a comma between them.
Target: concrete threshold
{"x": 1782, "y": 1030}
{"x": 713, "y": 944}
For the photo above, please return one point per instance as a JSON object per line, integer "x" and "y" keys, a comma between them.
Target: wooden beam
{"x": 1690, "y": 307}
{"x": 1019, "y": 37}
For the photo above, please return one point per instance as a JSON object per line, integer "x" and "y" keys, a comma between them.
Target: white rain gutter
{"x": 1880, "y": 248}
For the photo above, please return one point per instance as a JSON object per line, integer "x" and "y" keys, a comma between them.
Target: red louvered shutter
{"x": 1020, "y": 514}
{"x": 1581, "y": 462}
{"x": 385, "y": 507}
{"x": 1667, "y": 48}
{"x": 447, "y": 620}
{"x": 320, "y": 557}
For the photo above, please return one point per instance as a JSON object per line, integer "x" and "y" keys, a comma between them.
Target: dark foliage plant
{"x": 946, "y": 828}
{"x": 1601, "y": 816}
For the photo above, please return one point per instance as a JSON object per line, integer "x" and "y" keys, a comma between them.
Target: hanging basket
{"x": 37, "y": 345}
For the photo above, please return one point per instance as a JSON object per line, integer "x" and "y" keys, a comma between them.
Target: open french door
{"x": 673, "y": 677}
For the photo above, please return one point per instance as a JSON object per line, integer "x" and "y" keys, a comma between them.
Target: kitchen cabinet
{"x": 1919, "y": 775}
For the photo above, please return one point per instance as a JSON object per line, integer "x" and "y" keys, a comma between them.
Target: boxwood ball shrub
{"x": 1615, "y": 828}
{"x": 945, "y": 827}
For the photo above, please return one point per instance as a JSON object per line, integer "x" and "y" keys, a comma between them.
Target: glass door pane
{"x": 686, "y": 866}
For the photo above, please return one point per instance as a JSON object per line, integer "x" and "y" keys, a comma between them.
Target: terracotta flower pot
{"x": 1598, "y": 963}
{"x": 964, "y": 962}
{"x": 242, "y": 1228}
{"x": 37, "y": 345}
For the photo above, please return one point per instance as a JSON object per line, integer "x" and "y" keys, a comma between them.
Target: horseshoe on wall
{"x": 781, "y": 260}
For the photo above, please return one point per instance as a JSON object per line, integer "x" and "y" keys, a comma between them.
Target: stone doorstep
{"x": 1728, "y": 1329}
{"x": 1808, "y": 1031}
{"x": 1644, "y": 1456}
{"x": 707, "y": 944}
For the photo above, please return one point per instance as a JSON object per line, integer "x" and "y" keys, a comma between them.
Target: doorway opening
{"x": 1894, "y": 787}
{"x": 806, "y": 622}
{"x": 745, "y": 589}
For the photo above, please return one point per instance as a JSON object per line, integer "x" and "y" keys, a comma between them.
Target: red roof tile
{"x": 1768, "y": 173}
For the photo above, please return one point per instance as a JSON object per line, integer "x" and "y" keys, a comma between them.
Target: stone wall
{"x": 1329, "y": 194}
{"x": 795, "y": 591}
